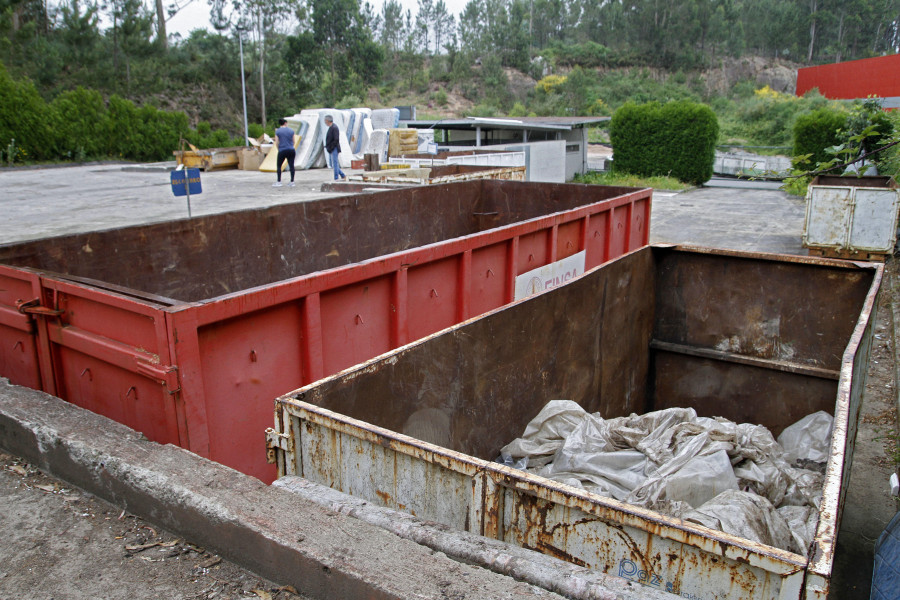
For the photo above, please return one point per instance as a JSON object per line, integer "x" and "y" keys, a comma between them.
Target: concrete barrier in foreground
{"x": 290, "y": 539}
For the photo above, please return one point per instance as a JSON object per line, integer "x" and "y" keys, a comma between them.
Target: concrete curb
{"x": 268, "y": 530}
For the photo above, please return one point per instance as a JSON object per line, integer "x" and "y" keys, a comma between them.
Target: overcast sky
{"x": 196, "y": 14}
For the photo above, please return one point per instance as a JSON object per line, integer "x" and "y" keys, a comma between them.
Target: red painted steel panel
{"x": 355, "y": 323}
{"x": 853, "y": 79}
{"x": 488, "y": 282}
{"x": 125, "y": 397}
{"x": 533, "y": 251}
{"x": 110, "y": 355}
{"x": 18, "y": 346}
{"x": 637, "y": 231}
{"x": 618, "y": 232}
{"x": 247, "y": 360}
{"x": 568, "y": 239}
{"x": 184, "y": 344}
{"x": 596, "y": 242}
{"x": 433, "y": 297}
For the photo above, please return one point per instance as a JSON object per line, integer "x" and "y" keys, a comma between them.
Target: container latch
{"x": 33, "y": 307}
{"x": 276, "y": 441}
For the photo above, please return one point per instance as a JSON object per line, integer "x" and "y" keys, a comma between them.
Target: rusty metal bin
{"x": 657, "y": 328}
{"x": 187, "y": 330}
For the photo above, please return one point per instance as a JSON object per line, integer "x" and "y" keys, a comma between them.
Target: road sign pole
{"x": 187, "y": 191}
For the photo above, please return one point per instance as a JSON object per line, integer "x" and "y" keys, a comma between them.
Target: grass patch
{"x": 627, "y": 180}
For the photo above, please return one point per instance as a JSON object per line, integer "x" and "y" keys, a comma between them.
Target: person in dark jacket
{"x": 286, "y": 152}
{"x": 333, "y": 147}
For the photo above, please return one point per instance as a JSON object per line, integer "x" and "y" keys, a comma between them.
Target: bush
{"x": 890, "y": 163}
{"x": 869, "y": 121}
{"x": 814, "y": 132}
{"x": 79, "y": 120}
{"x": 24, "y": 117}
{"x": 767, "y": 117}
{"x": 676, "y": 139}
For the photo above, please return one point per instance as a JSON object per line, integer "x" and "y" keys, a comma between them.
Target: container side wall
{"x": 434, "y": 297}
{"x": 369, "y": 470}
{"x": 110, "y": 354}
{"x": 215, "y": 255}
{"x": 579, "y": 537}
{"x": 475, "y": 387}
{"x": 489, "y": 282}
{"x": 741, "y": 393}
{"x": 239, "y": 357}
{"x": 837, "y": 474}
{"x": 783, "y": 311}
{"x": 482, "y": 497}
{"x": 356, "y": 323}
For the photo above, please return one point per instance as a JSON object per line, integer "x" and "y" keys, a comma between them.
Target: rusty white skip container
{"x": 644, "y": 332}
{"x": 851, "y": 217}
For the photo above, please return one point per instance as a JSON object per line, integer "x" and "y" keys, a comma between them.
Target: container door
{"x": 108, "y": 353}
{"x": 874, "y": 225}
{"x": 18, "y": 337}
{"x": 827, "y": 216}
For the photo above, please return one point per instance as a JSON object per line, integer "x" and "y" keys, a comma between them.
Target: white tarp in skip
{"x": 732, "y": 477}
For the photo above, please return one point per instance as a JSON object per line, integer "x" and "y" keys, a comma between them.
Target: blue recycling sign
{"x": 186, "y": 182}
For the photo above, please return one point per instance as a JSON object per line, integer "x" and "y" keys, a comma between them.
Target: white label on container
{"x": 550, "y": 276}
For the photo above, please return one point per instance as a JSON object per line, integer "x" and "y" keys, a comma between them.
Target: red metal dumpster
{"x": 187, "y": 330}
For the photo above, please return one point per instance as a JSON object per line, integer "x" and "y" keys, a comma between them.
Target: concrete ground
{"x": 38, "y": 203}
{"x": 739, "y": 218}
{"x": 45, "y": 202}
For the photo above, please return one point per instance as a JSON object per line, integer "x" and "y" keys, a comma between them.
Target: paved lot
{"x": 39, "y": 203}
{"x": 45, "y": 202}
{"x": 761, "y": 220}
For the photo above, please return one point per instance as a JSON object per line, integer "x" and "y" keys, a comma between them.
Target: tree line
{"x": 341, "y": 52}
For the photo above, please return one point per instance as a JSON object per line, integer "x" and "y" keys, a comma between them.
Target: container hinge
{"x": 276, "y": 441}
{"x": 33, "y": 307}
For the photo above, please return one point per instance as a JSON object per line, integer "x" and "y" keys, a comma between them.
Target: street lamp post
{"x": 240, "y": 31}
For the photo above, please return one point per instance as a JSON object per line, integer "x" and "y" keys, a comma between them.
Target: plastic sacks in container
{"x": 745, "y": 515}
{"x": 676, "y": 463}
{"x": 808, "y": 439}
{"x": 546, "y": 432}
{"x": 702, "y": 478}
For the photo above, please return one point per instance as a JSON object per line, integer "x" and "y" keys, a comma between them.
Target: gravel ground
{"x": 60, "y": 543}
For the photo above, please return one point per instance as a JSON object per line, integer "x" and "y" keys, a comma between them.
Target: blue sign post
{"x": 186, "y": 182}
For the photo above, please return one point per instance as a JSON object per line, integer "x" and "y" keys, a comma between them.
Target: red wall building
{"x": 855, "y": 79}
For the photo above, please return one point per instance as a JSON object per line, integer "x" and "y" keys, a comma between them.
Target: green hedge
{"x": 80, "y": 125}
{"x": 814, "y": 132}
{"x": 25, "y": 127}
{"x": 676, "y": 139}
